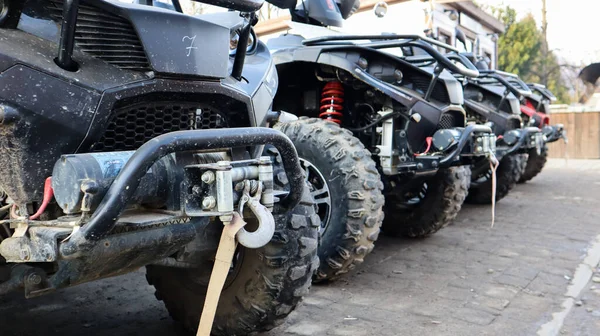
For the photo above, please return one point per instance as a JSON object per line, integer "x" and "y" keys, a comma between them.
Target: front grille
{"x": 105, "y": 36}
{"x": 132, "y": 126}
{"x": 447, "y": 121}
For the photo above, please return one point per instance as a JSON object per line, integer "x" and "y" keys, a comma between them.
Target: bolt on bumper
{"x": 555, "y": 133}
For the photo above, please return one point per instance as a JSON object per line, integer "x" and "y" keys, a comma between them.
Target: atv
{"x": 534, "y": 108}
{"x": 535, "y": 112}
{"x": 126, "y": 144}
{"x": 371, "y": 122}
{"x": 492, "y": 99}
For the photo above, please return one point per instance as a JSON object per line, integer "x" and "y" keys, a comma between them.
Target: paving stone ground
{"x": 468, "y": 279}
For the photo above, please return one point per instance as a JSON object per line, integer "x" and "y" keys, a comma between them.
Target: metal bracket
{"x": 40, "y": 246}
{"x": 387, "y": 157}
{"x": 67, "y": 36}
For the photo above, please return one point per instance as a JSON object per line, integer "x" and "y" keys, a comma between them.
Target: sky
{"x": 573, "y": 26}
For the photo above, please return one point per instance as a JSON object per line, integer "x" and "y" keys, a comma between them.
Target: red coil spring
{"x": 332, "y": 98}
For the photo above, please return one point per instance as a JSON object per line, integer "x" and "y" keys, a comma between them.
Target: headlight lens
{"x": 235, "y": 39}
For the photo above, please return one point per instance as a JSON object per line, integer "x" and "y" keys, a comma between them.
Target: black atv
{"x": 534, "y": 100}
{"x": 130, "y": 136}
{"x": 535, "y": 111}
{"x": 369, "y": 119}
{"x": 492, "y": 99}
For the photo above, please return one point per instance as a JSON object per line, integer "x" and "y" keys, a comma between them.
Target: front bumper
{"x": 555, "y": 133}
{"x": 123, "y": 189}
{"x": 453, "y": 147}
{"x": 521, "y": 140}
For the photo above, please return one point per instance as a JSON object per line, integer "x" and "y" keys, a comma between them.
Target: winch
{"x": 186, "y": 184}
{"x": 529, "y": 137}
{"x": 446, "y": 139}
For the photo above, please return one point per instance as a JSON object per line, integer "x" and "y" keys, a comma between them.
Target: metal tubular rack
{"x": 404, "y": 41}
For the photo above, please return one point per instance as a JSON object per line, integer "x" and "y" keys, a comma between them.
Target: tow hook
{"x": 266, "y": 223}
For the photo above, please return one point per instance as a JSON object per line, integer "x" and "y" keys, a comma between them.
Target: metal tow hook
{"x": 266, "y": 223}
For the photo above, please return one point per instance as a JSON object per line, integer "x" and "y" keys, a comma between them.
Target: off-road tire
{"x": 535, "y": 164}
{"x": 508, "y": 173}
{"x": 355, "y": 188}
{"x": 441, "y": 203}
{"x": 269, "y": 284}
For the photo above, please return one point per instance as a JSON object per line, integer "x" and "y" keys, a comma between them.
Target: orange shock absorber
{"x": 332, "y": 99}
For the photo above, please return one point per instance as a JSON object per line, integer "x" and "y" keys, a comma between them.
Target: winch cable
{"x": 494, "y": 163}
{"x": 428, "y": 142}
{"x": 48, "y": 194}
{"x": 223, "y": 261}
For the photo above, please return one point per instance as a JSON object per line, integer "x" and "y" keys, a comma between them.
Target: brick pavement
{"x": 468, "y": 279}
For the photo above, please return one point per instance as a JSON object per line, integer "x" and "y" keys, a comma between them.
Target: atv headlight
{"x": 235, "y": 39}
{"x": 511, "y": 137}
{"x": 272, "y": 80}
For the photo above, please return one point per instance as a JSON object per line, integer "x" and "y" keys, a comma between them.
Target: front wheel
{"x": 508, "y": 173}
{"x": 535, "y": 164}
{"x": 432, "y": 207}
{"x": 347, "y": 190}
{"x": 262, "y": 288}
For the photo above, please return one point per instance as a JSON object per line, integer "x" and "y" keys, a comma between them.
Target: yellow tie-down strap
{"x": 223, "y": 261}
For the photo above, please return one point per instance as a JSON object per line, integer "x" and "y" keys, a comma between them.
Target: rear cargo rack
{"x": 542, "y": 90}
{"x": 410, "y": 41}
{"x": 510, "y": 81}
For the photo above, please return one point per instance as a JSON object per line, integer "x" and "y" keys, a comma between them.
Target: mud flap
{"x": 223, "y": 261}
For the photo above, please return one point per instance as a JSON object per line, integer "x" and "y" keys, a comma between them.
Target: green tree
{"x": 519, "y": 47}
{"x": 547, "y": 71}
{"x": 507, "y": 15}
{"x": 523, "y": 50}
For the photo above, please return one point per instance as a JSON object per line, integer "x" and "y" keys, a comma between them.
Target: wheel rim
{"x": 319, "y": 191}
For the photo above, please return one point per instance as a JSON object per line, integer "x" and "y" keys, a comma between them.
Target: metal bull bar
{"x": 555, "y": 133}
{"x": 523, "y": 136}
{"x": 465, "y": 137}
{"x": 124, "y": 186}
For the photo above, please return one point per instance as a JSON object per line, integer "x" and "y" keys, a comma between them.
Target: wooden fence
{"x": 583, "y": 131}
